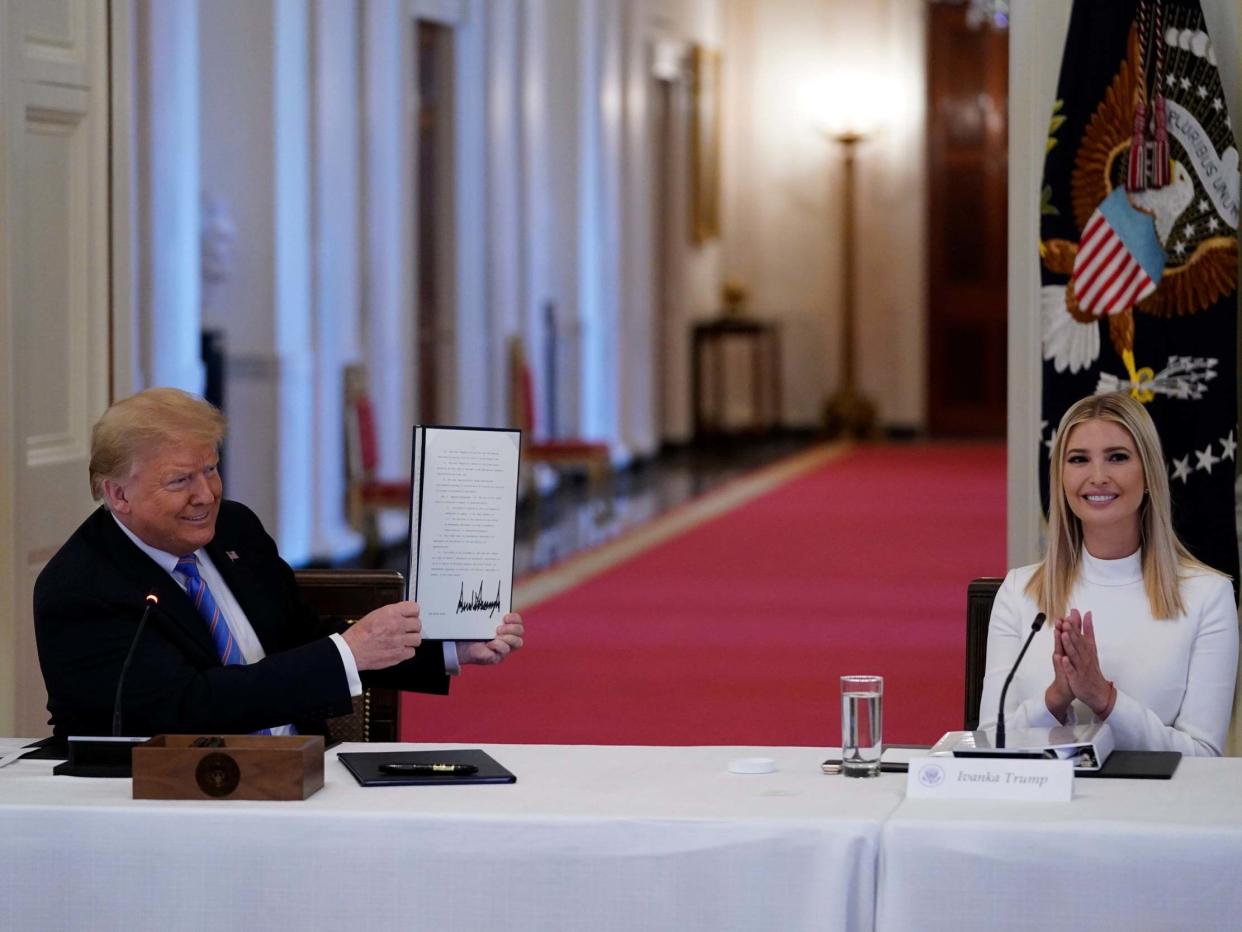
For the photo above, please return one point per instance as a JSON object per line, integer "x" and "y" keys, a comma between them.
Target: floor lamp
{"x": 848, "y": 411}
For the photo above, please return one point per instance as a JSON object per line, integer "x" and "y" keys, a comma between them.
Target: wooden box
{"x": 243, "y": 767}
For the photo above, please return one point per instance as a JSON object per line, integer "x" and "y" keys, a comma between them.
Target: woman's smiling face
{"x": 1103, "y": 481}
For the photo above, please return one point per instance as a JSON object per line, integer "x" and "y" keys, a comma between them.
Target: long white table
{"x": 592, "y": 838}
{"x": 1124, "y": 854}
{"x": 601, "y": 838}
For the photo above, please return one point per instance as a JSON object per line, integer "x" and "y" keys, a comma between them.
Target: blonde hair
{"x": 1164, "y": 558}
{"x": 141, "y": 424}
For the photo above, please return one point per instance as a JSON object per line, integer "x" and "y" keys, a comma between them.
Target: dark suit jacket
{"x": 89, "y": 598}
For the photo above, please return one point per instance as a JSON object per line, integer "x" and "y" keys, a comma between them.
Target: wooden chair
{"x": 366, "y": 495}
{"x": 980, "y": 595}
{"x": 563, "y": 453}
{"x": 351, "y": 594}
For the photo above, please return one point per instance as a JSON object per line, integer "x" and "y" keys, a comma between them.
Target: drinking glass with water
{"x": 862, "y": 725}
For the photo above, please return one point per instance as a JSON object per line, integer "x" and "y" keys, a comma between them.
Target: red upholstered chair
{"x": 561, "y": 453}
{"x": 367, "y": 495}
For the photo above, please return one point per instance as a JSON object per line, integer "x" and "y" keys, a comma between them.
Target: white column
{"x": 539, "y": 145}
{"x": 1036, "y": 37}
{"x": 678, "y": 310}
{"x": 168, "y": 181}
{"x": 255, "y": 95}
{"x": 336, "y": 319}
{"x": 637, "y": 373}
{"x": 551, "y": 116}
{"x": 1224, "y": 25}
{"x": 599, "y": 217}
{"x": 387, "y": 317}
{"x": 507, "y": 309}
{"x": 124, "y": 219}
{"x": 293, "y": 297}
{"x": 474, "y": 285}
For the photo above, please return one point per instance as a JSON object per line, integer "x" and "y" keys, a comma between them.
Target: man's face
{"x": 171, "y": 498}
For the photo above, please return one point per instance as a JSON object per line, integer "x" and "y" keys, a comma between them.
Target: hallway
{"x": 727, "y": 619}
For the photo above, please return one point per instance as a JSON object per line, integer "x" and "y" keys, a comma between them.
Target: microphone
{"x": 152, "y": 601}
{"x": 1000, "y": 712}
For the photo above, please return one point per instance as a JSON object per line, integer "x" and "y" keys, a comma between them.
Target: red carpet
{"x": 736, "y": 631}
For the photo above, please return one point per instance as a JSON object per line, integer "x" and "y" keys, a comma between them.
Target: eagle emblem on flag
{"x": 1183, "y": 233}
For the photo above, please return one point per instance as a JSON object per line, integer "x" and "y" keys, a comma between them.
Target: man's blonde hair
{"x": 140, "y": 424}
{"x": 1165, "y": 560}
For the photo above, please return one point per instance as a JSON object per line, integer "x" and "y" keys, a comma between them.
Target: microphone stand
{"x": 152, "y": 600}
{"x": 108, "y": 756}
{"x": 1000, "y": 712}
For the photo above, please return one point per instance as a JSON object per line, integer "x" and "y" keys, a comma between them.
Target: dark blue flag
{"x": 1139, "y": 249}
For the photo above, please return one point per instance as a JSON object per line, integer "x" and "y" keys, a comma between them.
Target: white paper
{"x": 463, "y": 515}
{"x": 990, "y": 778}
{"x": 416, "y": 487}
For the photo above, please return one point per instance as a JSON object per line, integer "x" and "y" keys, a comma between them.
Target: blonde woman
{"x": 1140, "y": 634}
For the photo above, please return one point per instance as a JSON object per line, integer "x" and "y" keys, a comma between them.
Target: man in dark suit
{"x": 230, "y": 647}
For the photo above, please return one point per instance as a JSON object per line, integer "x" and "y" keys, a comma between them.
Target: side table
{"x": 711, "y": 377}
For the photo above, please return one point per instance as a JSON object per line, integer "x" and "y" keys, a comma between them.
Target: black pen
{"x": 833, "y": 766}
{"x": 430, "y": 770}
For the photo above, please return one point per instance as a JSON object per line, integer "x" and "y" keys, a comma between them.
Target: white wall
{"x": 783, "y": 213}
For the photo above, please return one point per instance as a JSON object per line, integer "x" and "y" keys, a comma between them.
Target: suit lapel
{"x": 233, "y": 561}
{"x": 175, "y": 610}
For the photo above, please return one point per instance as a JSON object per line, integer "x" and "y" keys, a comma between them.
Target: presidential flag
{"x": 1139, "y": 251}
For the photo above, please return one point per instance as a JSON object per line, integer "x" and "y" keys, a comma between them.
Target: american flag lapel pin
{"x": 231, "y": 554}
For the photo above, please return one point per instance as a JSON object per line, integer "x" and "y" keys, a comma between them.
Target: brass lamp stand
{"x": 847, "y": 411}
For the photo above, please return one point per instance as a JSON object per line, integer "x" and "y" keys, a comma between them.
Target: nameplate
{"x": 990, "y": 778}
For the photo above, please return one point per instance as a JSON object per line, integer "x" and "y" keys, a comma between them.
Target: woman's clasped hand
{"x": 1077, "y": 665}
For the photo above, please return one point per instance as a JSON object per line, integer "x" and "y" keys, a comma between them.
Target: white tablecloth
{"x": 600, "y": 838}
{"x": 1124, "y": 854}
{"x": 592, "y": 838}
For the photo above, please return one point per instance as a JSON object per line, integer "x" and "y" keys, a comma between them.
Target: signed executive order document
{"x": 463, "y": 509}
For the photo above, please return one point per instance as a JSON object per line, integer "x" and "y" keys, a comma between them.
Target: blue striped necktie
{"x": 200, "y": 595}
{"x": 221, "y": 635}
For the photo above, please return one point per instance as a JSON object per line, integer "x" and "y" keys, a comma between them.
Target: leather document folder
{"x": 366, "y": 766}
{"x": 1137, "y": 765}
